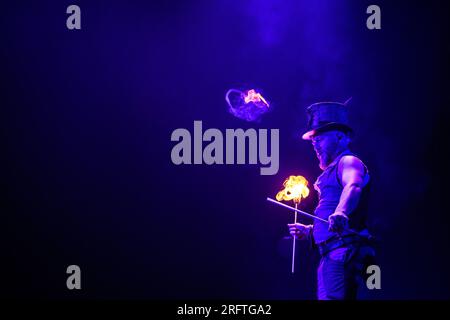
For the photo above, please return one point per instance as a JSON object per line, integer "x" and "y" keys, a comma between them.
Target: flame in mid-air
{"x": 248, "y": 105}
{"x": 253, "y": 96}
{"x": 295, "y": 188}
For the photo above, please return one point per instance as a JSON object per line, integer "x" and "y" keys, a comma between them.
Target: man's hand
{"x": 338, "y": 222}
{"x": 300, "y": 231}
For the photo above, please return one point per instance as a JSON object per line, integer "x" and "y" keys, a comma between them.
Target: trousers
{"x": 343, "y": 270}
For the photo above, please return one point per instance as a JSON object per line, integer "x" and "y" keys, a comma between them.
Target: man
{"x": 343, "y": 189}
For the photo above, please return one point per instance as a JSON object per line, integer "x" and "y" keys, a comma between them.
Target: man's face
{"x": 325, "y": 145}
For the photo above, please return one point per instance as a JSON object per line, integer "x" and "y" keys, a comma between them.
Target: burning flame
{"x": 247, "y": 105}
{"x": 253, "y": 96}
{"x": 295, "y": 188}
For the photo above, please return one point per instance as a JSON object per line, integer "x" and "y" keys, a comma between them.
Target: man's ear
{"x": 340, "y": 135}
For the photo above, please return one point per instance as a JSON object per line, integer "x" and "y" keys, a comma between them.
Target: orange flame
{"x": 253, "y": 96}
{"x": 295, "y": 188}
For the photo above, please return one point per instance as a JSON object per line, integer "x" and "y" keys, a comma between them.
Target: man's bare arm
{"x": 352, "y": 171}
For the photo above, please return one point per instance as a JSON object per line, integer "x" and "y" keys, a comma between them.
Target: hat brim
{"x": 327, "y": 127}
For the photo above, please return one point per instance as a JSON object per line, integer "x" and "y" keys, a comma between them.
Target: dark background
{"x": 86, "y": 119}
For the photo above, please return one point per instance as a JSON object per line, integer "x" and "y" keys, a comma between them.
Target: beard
{"x": 324, "y": 160}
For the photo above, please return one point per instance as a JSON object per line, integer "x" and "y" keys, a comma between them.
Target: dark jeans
{"x": 342, "y": 271}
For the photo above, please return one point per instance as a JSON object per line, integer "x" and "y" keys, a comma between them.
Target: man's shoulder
{"x": 353, "y": 162}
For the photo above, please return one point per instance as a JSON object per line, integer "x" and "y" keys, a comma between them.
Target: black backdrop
{"x": 86, "y": 119}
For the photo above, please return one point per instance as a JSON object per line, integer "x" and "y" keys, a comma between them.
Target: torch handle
{"x": 293, "y": 242}
{"x": 296, "y": 210}
{"x": 307, "y": 214}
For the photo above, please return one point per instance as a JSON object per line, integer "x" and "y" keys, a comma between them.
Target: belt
{"x": 335, "y": 242}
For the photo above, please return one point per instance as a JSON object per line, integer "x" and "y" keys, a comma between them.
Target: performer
{"x": 343, "y": 189}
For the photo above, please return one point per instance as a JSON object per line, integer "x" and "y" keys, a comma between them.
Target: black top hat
{"x": 326, "y": 116}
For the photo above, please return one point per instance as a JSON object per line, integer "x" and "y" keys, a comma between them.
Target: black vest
{"x": 329, "y": 187}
